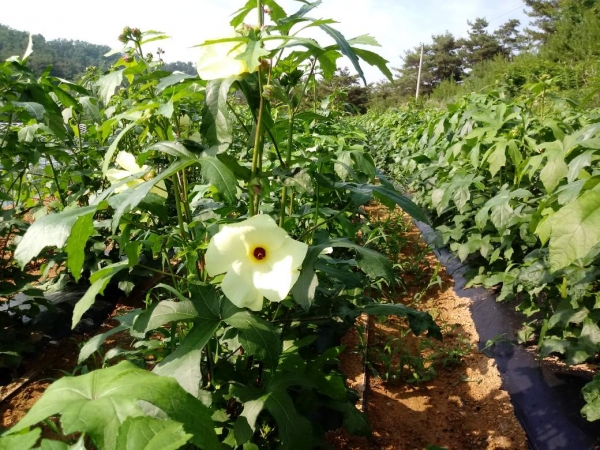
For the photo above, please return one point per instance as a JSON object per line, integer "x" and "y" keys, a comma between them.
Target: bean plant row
{"x": 512, "y": 188}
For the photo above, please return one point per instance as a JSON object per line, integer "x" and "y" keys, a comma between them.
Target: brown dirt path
{"x": 462, "y": 407}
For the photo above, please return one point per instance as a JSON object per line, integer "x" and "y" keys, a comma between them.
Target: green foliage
{"x": 142, "y": 168}
{"x": 512, "y": 188}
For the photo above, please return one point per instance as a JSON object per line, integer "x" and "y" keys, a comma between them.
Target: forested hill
{"x": 68, "y": 59}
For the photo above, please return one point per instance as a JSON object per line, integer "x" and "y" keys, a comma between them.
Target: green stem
{"x": 317, "y": 205}
{"x": 60, "y": 194}
{"x": 323, "y": 222}
{"x": 288, "y": 158}
{"x": 152, "y": 269}
{"x": 239, "y": 119}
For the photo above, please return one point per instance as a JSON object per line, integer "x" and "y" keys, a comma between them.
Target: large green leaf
{"x": 591, "y": 395}
{"x": 216, "y": 127}
{"x": 147, "y": 433}
{"x": 99, "y": 280}
{"x": 344, "y": 48}
{"x": 80, "y": 233}
{"x": 220, "y": 176}
{"x": 48, "y": 231}
{"x": 554, "y": 171}
{"x": 184, "y": 363}
{"x": 258, "y": 337}
{"x": 107, "y": 84}
{"x": 252, "y": 54}
{"x": 497, "y": 158}
{"x": 99, "y": 402}
{"x": 374, "y": 59}
{"x": 24, "y": 441}
{"x": 575, "y": 230}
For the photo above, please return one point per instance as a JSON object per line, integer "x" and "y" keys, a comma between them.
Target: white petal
{"x": 127, "y": 161}
{"x": 218, "y": 60}
{"x": 240, "y": 290}
{"x": 293, "y": 249}
{"x": 116, "y": 175}
{"x": 276, "y": 282}
{"x": 129, "y": 185}
{"x": 160, "y": 189}
{"x": 263, "y": 232}
{"x": 225, "y": 248}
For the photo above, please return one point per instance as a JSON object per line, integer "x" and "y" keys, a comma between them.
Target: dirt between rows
{"x": 462, "y": 407}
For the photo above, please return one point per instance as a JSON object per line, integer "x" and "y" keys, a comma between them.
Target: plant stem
{"x": 60, "y": 194}
{"x": 329, "y": 219}
{"x": 257, "y": 152}
{"x": 288, "y": 158}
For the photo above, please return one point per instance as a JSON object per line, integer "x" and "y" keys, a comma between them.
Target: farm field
{"x": 264, "y": 254}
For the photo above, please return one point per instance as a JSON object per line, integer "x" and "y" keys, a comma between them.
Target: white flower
{"x": 126, "y": 161}
{"x": 218, "y": 60}
{"x": 258, "y": 259}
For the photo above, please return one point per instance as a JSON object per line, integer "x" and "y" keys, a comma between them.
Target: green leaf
{"x": 99, "y": 402}
{"x": 35, "y": 110}
{"x": 554, "y": 171}
{"x": 99, "y": 280}
{"x": 294, "y": 430}
{"x": 374, "y": 59}
{"x": 216, "y": 127}
{"x": 344, "y": 48}
{"x": 575, "y": 230}
{"x": 58, "y": 445}
{"x": 113, "y": 146}
{"x": 220, "y": 176}
{"x": 90, "y": 109}
{"x": 107, "y": 84}
{"x": 497, "y": 158}
{"x": 328, "y": 63}
{"x": 147, "y": 433}
{"x": 24, "y": 441}
{"x": 96, "y": 342}
{"x": 130, "y": 198}
{"x": 80, "y": 233}
{"x": 48, "y": 231}
{"x": 171, "y": 80}
{"x": 407, "y": 205}
{"x": 591, "y": 395}
{"x": 176, "y": 149}
{"x": 364, "y": 39}
{"x": 252, "y": 54}
{"x": 258, "y": 337}
{"x": 184, "y": 363}
{"x": 419, "y": 321}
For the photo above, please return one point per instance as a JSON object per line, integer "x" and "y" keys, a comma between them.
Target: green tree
{"x": 510, "y": 38}
{"x": 480, "y": 45}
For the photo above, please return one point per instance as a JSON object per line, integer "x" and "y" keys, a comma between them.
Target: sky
{"x": 398, "y": 25}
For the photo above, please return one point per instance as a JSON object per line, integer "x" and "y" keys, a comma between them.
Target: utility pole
{"x": 419, "y": 75}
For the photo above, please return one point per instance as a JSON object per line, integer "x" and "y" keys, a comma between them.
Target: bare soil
{"x": 462, "y": 406}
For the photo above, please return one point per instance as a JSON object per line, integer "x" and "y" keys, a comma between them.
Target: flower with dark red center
{"x": 258, "y": 258}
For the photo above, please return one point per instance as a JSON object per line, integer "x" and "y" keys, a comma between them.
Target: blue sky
{"x": 398, "y": 25}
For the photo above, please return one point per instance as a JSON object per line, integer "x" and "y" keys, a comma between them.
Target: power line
{"x": 521, "y": 4}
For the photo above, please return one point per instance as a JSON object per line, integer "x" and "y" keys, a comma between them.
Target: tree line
{"x": 562, "y": 42}
{"x": 67, "y": 59}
